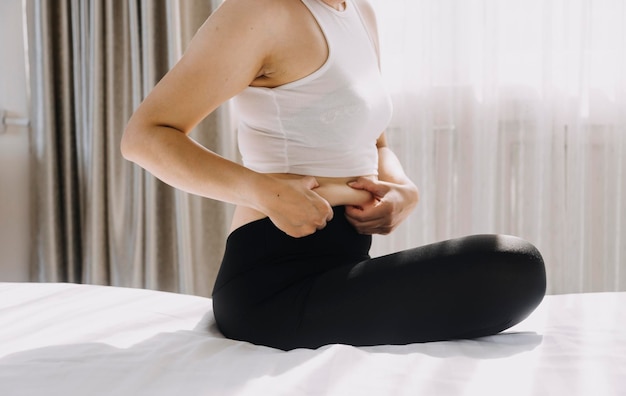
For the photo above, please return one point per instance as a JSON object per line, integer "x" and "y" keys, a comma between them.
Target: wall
{"x": 14, "y": 172}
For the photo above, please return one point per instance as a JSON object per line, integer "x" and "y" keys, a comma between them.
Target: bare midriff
{"x": 335, "y": 190}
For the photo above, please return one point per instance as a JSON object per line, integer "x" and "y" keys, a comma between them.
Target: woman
{"x": 318, "y": 179}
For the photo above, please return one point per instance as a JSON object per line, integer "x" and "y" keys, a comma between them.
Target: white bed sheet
{"x": 66, "y": 339}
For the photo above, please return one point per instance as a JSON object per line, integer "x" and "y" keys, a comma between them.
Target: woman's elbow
{"x": 129, "y": 145}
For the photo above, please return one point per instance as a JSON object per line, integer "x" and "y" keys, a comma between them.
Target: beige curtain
{"x": 508, "y": 115}
{"x": 99, "y": 219}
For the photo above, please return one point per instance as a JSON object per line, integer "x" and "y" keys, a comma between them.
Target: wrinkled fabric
{"x": 69, "y": 339}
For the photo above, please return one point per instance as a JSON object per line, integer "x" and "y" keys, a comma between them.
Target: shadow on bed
{"x": 493, "y": 347}
{"x": 497, "y": 346}
{"x": 185, "y": 361}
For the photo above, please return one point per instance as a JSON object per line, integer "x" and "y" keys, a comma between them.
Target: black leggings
{"x": 288, "y": 293}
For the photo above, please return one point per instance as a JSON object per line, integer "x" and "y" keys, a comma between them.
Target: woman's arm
{"x": 229, "y": 51}
{"x": 395, "y": 194}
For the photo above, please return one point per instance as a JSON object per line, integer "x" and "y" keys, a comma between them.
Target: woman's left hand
{"x": 392, "y": 205}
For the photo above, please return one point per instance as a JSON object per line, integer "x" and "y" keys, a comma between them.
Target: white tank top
{"x": 327, "y": 123}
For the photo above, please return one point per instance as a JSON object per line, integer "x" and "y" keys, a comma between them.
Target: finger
{"x": 324, "y": 208}
{"x": 323, "y": 218}
{"x": 370, "y": 213}
{"x": 330, "y": 214}
{"x": 367, "y": 224}
{"x": 374, "y": 187}
{"x": 374, "y": 221}
{"x": 361, "y": 183}
{"x": 354, "y": 213}
{"x": 325, "y": 214}
{"x": 310, "y": 182}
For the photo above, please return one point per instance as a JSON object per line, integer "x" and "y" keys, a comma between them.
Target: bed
{"x": 68, "y": 339}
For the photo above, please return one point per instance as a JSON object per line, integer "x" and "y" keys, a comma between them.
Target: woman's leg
{"x": 306, "y": 292}
{"x": 462, "y": 288}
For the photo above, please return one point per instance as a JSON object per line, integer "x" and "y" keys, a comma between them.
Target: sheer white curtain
{"x": 511, "y": 118}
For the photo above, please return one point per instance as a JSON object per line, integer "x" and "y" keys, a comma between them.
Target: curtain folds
{"x": 508, "y": 115}
{"x": 510, "y": 118}
{"x": 98, "y": 218}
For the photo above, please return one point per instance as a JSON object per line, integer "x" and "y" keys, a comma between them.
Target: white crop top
{"x": 327, "y": 123}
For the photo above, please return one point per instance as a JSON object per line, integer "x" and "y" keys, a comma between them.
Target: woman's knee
{"x": 522, "y": 266}
{"x": 503, "y": 264}
{"x": 525, "y": 256}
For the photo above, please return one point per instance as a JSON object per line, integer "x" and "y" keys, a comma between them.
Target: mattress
{"x": 67, "y": 339}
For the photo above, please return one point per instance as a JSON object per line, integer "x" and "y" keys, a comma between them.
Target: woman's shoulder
{"x": 366, "y": 9}
{"x": 365, "y": 6}
{"x": 260, "y": 8}
{"x": 256, "y": 17}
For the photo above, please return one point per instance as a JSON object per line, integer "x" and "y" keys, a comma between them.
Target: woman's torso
{"x": 335, "y": 190}
{"x": 297, "y": 56}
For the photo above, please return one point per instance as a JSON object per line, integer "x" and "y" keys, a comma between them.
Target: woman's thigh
{"x": 460, "y": 288}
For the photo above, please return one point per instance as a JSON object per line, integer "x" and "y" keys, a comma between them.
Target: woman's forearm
{"x": 390, "y": 169}
{"x": 176, "y": 159}
{"x": 173, "y": 157}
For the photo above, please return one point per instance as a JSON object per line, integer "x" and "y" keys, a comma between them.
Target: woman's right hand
{"x": 293, "y": 206}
